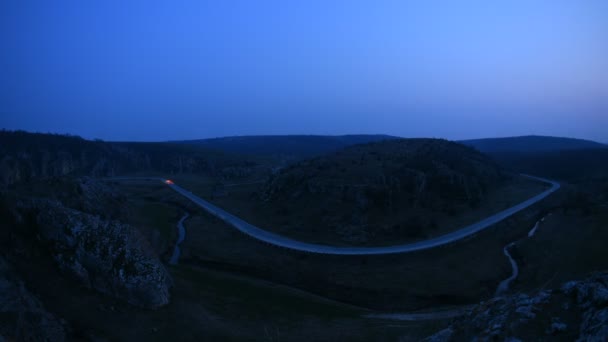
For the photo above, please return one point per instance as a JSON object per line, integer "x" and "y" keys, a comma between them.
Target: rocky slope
{"x": 576, "y": 311}
{"x": 410, "y": 181}
{"x": 77, "y": 222}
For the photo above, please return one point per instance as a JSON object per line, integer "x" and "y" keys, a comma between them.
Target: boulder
{"x": 108, "y": 256}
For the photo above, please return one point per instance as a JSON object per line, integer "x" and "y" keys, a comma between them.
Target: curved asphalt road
{"x": 281, "y": 241}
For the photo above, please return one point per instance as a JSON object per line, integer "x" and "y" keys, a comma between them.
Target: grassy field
{"x": 461, "y": 273}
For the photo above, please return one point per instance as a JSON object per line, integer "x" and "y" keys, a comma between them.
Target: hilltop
{"x": 404, "y": 164}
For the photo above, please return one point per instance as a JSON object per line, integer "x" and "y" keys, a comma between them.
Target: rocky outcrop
{"x": 421, "y": 170}
{"x": 23, "y": 317}
{"x": 108, "y": 256}
{"x": 576, "y": 311}
{"x": 592, "y": 299}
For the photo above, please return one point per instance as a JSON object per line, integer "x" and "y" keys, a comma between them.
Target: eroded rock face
{"x": 576, "y": 311}
{"x": 23, "y": 316}
{"x": 108, "y": 256}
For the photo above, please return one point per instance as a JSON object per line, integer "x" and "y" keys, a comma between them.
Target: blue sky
{"x": 150, "y": 70}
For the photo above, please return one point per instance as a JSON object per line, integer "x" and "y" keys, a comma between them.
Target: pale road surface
{"x": 282, "y": 241}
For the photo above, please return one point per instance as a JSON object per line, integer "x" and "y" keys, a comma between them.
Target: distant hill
{"x": 531, "y": 144}
{"x": 566, "y": 165}
{"x": 291, "y": 146}
{"x": 565, "y": 159}
{"x": 25, "y": 156}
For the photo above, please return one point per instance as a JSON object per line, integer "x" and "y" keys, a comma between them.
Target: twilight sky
{"x": 151, "y": 70}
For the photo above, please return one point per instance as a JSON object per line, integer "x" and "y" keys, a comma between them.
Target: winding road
{"x": 282, "y": 241}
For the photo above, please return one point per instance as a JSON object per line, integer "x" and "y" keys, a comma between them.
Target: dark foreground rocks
{"x": 578, "y": 311}
{"x": 106, "y": 255}
{"x": 22, "y": 316}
